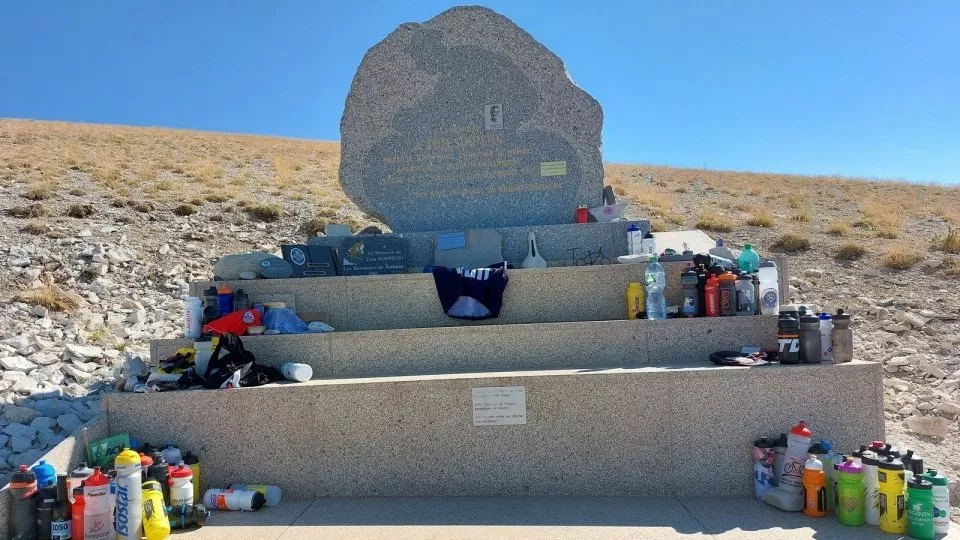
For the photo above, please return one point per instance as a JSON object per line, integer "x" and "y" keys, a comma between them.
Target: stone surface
{"x": 17, "y": 363}
{"x": 481, "y": 247}
{"x": 932, "y": 426}
{"x": 231, "y": 266}
{"x": 85, "y": 351}
{"x": 465, "y": 121}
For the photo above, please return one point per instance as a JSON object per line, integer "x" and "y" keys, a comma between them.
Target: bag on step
{"x": 232, "y": 366}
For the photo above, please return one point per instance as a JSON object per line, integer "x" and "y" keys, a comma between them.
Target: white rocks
{"x": 69, "y": 422}
{"x": 40, "y": 311}
{"x": 18, "y": 263}
{"x": 85, "y": 233}
{"x": 932, "y": 370}
{"x": 22, "y": 430}
{"x": 898, "y": 361}
{"x": 931, "y": 426}
{"x": 891, "y": 326}
{"x": 17, "y": 363}
{"x": 97, "y": 269}
{"x": 949, "y": 407}
{"x": 164, "y": 249}
{"x": 907, "y": 410}
{"x": 26, "y": 385}
{"x": 915, "y": 320}
{"x": 926, "y": 406}
{"x": 78, "y": 374}
{"x": 19, "y": 443}
{"x": 44, "y": 359}
{"x": 85, "y": 351}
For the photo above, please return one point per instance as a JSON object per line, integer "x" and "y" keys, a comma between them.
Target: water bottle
{"x": 850, "y": 505}
{"x": 826, "y": 337}
{"x": 171, "y": 454}
{"x": 842, "y": 338}
{"x": 748, "y": 261}
{"x": 764, "y": 458}
{"x": 97, "y": 518}
{"x": 810, "y": 348}
{"x": 634, "y": 239}
{"x": 711, "y": 297}
{"x": 77, "y": 509}
{"x": 46, "y": 474}
{"x": 203, "y": 351}
{"x": 296, "y": 372}
{"x": 869, "y": 460}
{"x": 23, "y": 504}
{"x": 701, "y": 290}
{"x": 788, "y": 338}
{"x": 745, "y": 295}
{"x": 224, "y": 299}
{"x": 824, "y": 452}
{"x": 192, "y": 461}
{"x": 656, "y": 280}
{"x": 728, "y": 294}
{"x": 271, "y": 494}
{"x": 941, "y": 501}
{"x": 60, "y": 528}
{"x": 798, "y": 442}
{"x": 129, "y": 496}
{"x": 211, "y": 305}
{"x": 920, "y": 508}
{"x": 690, "y": 297}
{"x": 648, "y": 245}
{"x": 81, "y": 473}
{"x": 192, "y": 317}
{"x": 814, "y": 488}
{"x": 769, "y": 288}
{"x": 240, "y": 300}
{"x": 891, "y": 496}
{"x": 635, "y": 301}
{"x": 779, "y": 451}
{"x": 188, "y": 516}
{"x": 156, "y": 525}
{"x": 230, "y": 499}
{"x": 181, "y": 486}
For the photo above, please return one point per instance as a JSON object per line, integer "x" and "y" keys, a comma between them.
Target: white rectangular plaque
{"x": 499, "y": 405}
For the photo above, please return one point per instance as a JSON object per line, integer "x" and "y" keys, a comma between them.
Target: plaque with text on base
{"x": 373, "y": 254}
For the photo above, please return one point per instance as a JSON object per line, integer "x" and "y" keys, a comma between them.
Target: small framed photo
{"x": 493, "y": 116}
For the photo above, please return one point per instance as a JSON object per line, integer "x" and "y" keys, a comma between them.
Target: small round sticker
{"x": 298, "y": 257}
{"x": 248, "y": 317}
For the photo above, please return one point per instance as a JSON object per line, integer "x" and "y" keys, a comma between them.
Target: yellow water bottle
{"x": 635, "y": 300}
{"x": 156, "y": 525}
{"x": 892, "y": 497}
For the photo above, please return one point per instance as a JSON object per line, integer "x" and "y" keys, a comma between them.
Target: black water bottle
{"x": 702, "y": 277}
{"x": 788, "y": 337}
{"x": 23, "y": 504}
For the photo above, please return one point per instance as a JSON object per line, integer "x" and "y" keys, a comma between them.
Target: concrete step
{"x": 596, "y": 344}
{"x": 675, "y": 430}
{"x": 515, "y": 518}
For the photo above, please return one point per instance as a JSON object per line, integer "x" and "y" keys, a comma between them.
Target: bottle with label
{"x": 941, "y": 501}
{"x": 711, "y": 296}
{"x": 850, "y": 505}
{"x": 192, "y": 317}
{"x": 211, "y": 305}
{"x": 814, "y": 488}
{"x": 192, "y": 461}
{"x": 635, "y": 300}
{"x": 97, "y": 518}
{"x": 648, "y": 245}
{"x": 763, "y": 461}
{"x": 77, "y": 509}
{"x": 48, "y": 500}
{"x": 129, "y": 497}
{"x": 702, "y": 277}
{"x": 224, "y": 299}
{"x": 728, "y": 294}
{"x": 826, "y": 337}
{"x": 60, "y": 523}
{"x": 181, "y": 486}
{"x": 769, "y": 288}
{"x": 842, "y": 338}
{"x": 920, "y": 508}
{"x": 788, "y": 337}
{"x": 824, "y": 452}
{"x": 745, "y": 295}
{"x": 656, "y": 280}
{"x": 810, "y": 347}
{"x": 892, "y": 496}
{"x": 271, "y": 494}
{"x": 779, "y": 451}
{"x": 798, "y": 441}
{"x": 634, "y": 239}
{"x": 690, "y": 296}
{"x": 870, "y": 460}
{"x": 241, "y": 301}
{"x": 156, "y": 524}
{"x": 77, "y": 476}
{"x": 23, "y": 504}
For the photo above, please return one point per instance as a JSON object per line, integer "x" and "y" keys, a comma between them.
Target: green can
{"x": 850, "y": 500}
{"x": 920, "y": 509}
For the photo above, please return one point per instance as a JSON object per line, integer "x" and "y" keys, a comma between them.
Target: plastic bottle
{"x": 47, "y": 496}
{"x": 271, "y": 494}
{"x": 909, "y": 461}
{"x": 797, "y": 444}
{"x": 188, "y": 516}
{"x": 655, "y": 281}
{"x": 192, "y": 461}
{"x": 203, "y": 351}
{"x": 648, "y": 245}
{"x": 769, "y": 288}
{"x": 240, "y": 300}
{"x": 764, "y": 458}
{"x": 779, "y": 452}
{"x": 920, "y": 509}
{"x": 941, "y": 501}
{"x": 749, "y": 260}
{"x": 129, "y": 497}
{"x": 211, "y": 305}
{"x": 77, "y": 509}
{"x": 728, "y": 294}
{"x": 891, "y": 496}
{"x": 711, "y": 296}
{"x": 871, "y": 500}
{"x": 810, "y": 348}
{"x": 156, "y": 525}
{"x": 297, "y": 372}
{"x": 97, "y": 518}
{"x": 824, "y": 452}
{"x": 181, "y": 485}
{"x": 634, "y": 239}
{"x": 192, "y": 317}
{"x": 701, "y": 291}
{"x": 77, "y": 476}
{"x": 826, "y": 337}
{"x": 788, "y": 338}
{"x": 46, "y": 474}
{"x": 842, "y": 338}
{"x": 230, "y": 499}
{"x": 159, "y": 472}
{"x": 145, "y": 463}
{"x": 814, "y": 488}
{"x": 224, "y": 299}
{"x": 746, "y": 295}
{"x": 60, "y": 528}
{"x": 171, "y": 454}
{"x": 690, "y": 296}
{"x": 850, "y": 506}
{"x": 23, "y": 504}
{"x": 635, "y": 300}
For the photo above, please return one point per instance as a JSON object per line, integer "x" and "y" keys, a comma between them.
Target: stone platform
{"x": 589, "y": 432}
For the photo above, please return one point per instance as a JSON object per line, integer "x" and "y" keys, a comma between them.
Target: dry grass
{"x": 708, "y": 221}
{"x": 30, "y": 211}
{"x": 39, "y": 192}
{"x": 52, "y": 297}
{"x": 314, "y": 226}
{"x": 850, "y": 251}
{"x": 951, "y": 267}
{"x": 949, "y": 243}
{"x": 791, "y": 243}
{"x": 80, "y": 211}
{"x": 761, "y": 220}
{"x": 144, "y": 207}
{"x": 901, "y": 258}
{"x": 839, "y": 228}
{"x": 265, "y": 212}
{"x": 802, "y": 216}
{"x": 185, "y": 210}
{"x": 217, "y": 198}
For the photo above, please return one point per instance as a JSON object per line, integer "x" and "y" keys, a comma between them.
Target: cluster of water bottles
{"x": 142, "y": 495}
{"x": 876, "y": 485}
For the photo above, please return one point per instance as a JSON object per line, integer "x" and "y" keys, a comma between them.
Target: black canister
{"x": 23, "y": 504}
{"x": 788, "y": 336}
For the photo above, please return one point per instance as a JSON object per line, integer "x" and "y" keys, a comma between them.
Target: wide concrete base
{"x": 675, "y": 430}
{"x": 554, "y": 518}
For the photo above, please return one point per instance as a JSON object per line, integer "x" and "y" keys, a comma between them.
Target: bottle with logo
{"x": 870, "y": 460}
{"x": 211, "y": 305}
{"x": 824, "y": 452}
{"x": 97, "y": 519}
{"x": 48, "y": 500}
{"x": 656, "y": 280}
{"x": 634, "y": 239}
{"x": 77, "y": 509}
{"x": 814, "y": 488}
{"x": 788, "y": 337}
{"x": 941, "y": 501}
{"x": 77, "y": 476}
{"x": 850, "y": 504}
{"x": 181, "y": 486}
{"x": 749, "y": 260}
{"x": 791, "y": 478}
{"x": 240, "y": 300}
{"x": 920, "y": 508}
{"x": 635, "y": 300}
{"x": 702, "y": 277}
{"x": 192, "y": 317}
{"x": 129, "y": 496}
{"x": 224, "y": 299}
{"x": 891, "y": 496}
{"x": 728, "y": 294}
{"x": 764, "y": 458}
{"x": 690, "y": 296}
{"x": 271, "y": 494}
{"x": 711, "y": 296}
{"x": 60, "y": 525}
{"x": 842, "y": 338}
{"x": 649, "y": 244}
{"x": 156, "y": 524}
{"x": 769, "y": 288}
{"x": 810, "y": 348}
{"x": 745, "y": 295}
{"x": 826, "y": 337}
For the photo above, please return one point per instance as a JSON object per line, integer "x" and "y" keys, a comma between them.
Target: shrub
{"x": 314, "y": 226}
{"x": 947, "y": 244}
{"x": 185, "y": 210}
{"x": 77, "y": 192}
{"x": 197, "y": 202}
{"x": 839, "y": 228}
{"x": 51, "y": 297}
{"x": 35, "y": 228}
{"x": 31, "y": 211}
{"x": 39, "y": 192}
{"x": 714, "y": 222}
{"x": 802, "y": 216}
{"x": 952, "y": 268}
{"x": 80, "y": 211}
{"x": 217, "y": 198}
{"x": 795, "y": 202}
{"x": 265, "y": 212}
{"x": 760, "y": 220}
{"x": 680, "y": 189}
{"x": 143, "y": 207}
{"x": 790, "y": 243}
{"x": 658, "y": 226}
{"x": 901, "y": 259}
{"x": 889, "y": 234}
{"x": 850, "y": 251}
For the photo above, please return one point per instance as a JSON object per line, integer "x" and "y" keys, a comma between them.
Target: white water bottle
{"x": 272, "y": 493}
{"x": 192, "y": 317}
{"x": 231, "y": 499}
{"x": 129, "y": 495}
{"x": 634, "y": 240}
{"x": 872, "y": 486}
{"x": 181, "y": 485}
{"x": 97, "y": 517}
{"x": 798, "y": 443}
{"x": 648, "y": 246}
{"x": 297, "y": 372}
{"x": 769, "y": 288}
{"x": 941, "y": 501}
{"x": 826, "y": 337}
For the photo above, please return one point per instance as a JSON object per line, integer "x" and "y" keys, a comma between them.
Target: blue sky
{"x": 819, "y": 87}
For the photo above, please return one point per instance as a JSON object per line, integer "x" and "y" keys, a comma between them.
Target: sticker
{"x": 493, "y": 116}
{"x": 457, "y": 240}
{"x": 248, "y": 317}
{"x": 499, "y": 405}
{"x": 297, "y": 256}
{"x": 553, "y": 168}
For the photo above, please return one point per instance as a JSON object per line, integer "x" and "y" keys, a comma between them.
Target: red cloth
{"x": 235, "y": 323}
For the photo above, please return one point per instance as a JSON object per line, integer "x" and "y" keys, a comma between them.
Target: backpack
{"x": 232, "y": 366}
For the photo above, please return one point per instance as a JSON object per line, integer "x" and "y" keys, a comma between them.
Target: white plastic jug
{"x": 192, "y": 317}
{"x": 297, "y": 372}
{"x": 798, "y": 443}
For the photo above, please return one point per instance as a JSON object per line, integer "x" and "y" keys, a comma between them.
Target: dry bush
{"x": 714, "y": 222}
{"x": 265, "y": 212}
{"x": 52, "y": 297}
{"x": 883, "y": 217}
{"x": 802, "y": 216}
{"x": 950, "y": 243}
{"x": 889, "y": 234}
{"x": 80, "y": 211}
{"x": 144, "y": 207}
{"x": 761, "y": 220}
{"x": 658, "y": 226}
{"x": 796, "y": 201}
{"x": 36, "y": 228}
{"x": 209, "y": 173}
{"x": 185, "y": 210}
{"x": 283, "y": 173}
{"x": 30, "y": 211}
{"x": 901, "y": 258}
{"x": 39, "y": 192}
{"x": 314, "y": 226}
{"x": 850, "y": 251}
{"x": 196, "y": 201}
{"x": 217, "y": 198}
{"x": 839, "y": 228}
{"x": 951, "y": 267}
{"x": 791, "y": 243}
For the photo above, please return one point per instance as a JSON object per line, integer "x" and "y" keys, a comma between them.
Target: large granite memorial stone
{"x": 465, "y": 122}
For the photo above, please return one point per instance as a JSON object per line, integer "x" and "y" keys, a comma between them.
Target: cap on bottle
{"x": 850, "y": 466}
{"x": 182, "y": 471}
{"x": 98, "y": 478}
{"x": 801, "y": 430}
{"x": 824, "y": 316}
{"x": 813, "y": 464}
{"x": 747, "y": 246}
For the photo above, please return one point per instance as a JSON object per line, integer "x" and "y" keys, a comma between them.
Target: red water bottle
{"x": 583, "y": 214}
{"x": 711, "y": 296}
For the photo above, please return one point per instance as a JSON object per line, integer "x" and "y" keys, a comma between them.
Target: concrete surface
{"x": 554, "y": 518}
{"x": 640, "y": 432}
{"x": 558, "y": 294}
{"x": 598, "y": 344}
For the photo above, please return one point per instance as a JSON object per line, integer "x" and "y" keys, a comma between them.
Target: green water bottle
{"x": 850, "y": 503}
{"x": 920, "y": 508}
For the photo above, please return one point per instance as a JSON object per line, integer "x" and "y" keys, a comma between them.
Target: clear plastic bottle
{"x": 656, "y": 281}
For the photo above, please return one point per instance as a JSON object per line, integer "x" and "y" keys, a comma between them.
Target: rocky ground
{"x": 97, "y": 250}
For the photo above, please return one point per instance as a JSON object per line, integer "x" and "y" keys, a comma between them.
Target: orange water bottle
{"x": 814, "y": 488}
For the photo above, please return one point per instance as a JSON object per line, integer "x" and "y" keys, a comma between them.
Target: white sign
{"x": 499, "y": 405}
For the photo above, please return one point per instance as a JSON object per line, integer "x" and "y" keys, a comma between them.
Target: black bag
{"x": 232, "y": 365}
